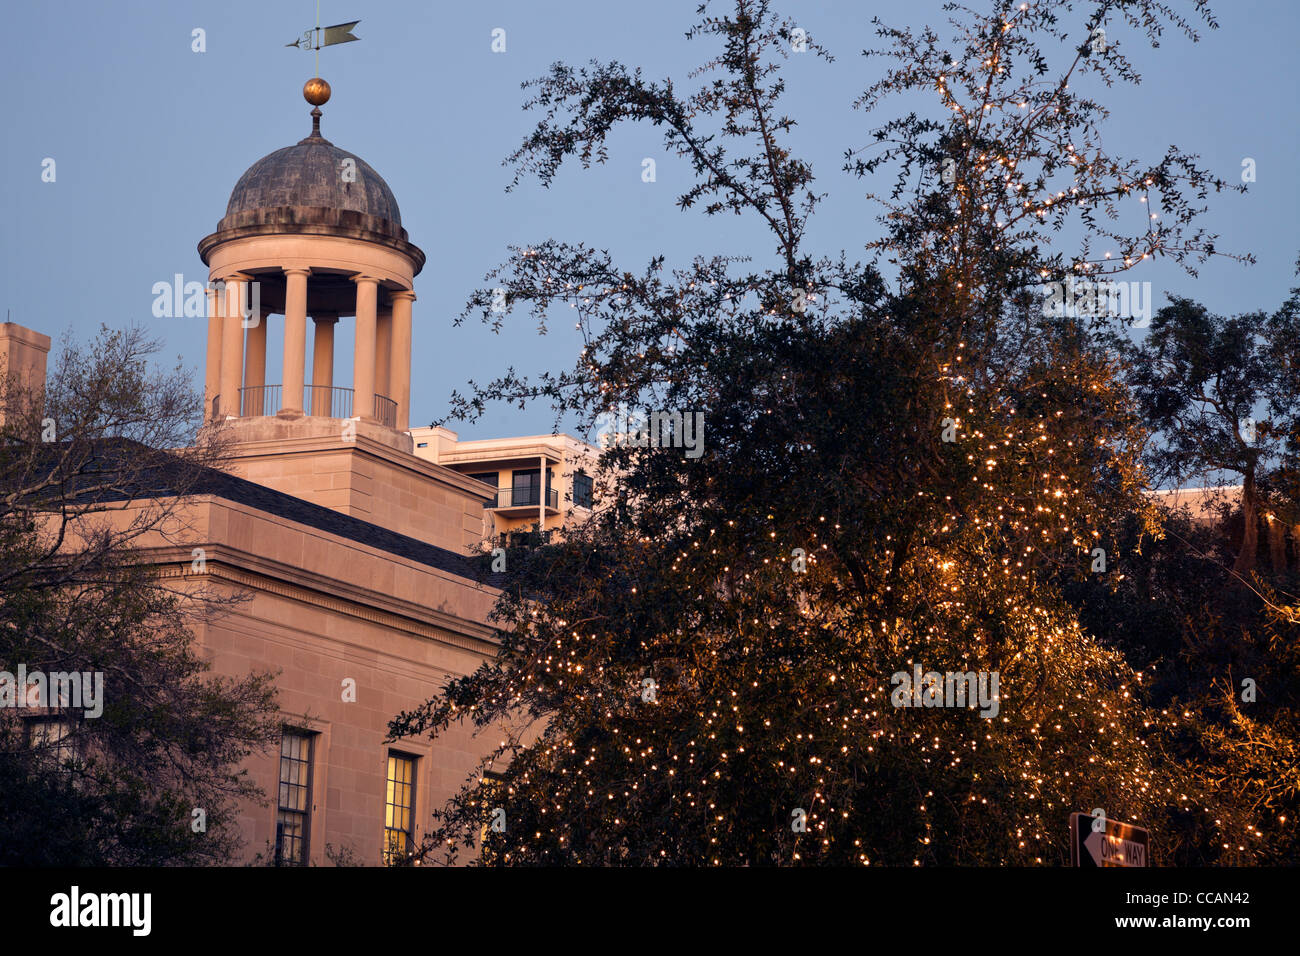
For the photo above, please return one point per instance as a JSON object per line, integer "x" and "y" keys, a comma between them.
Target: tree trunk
{"x": 1250, "y": 530}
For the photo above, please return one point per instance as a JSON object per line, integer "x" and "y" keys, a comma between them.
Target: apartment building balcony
{"x": 522, "y": 502}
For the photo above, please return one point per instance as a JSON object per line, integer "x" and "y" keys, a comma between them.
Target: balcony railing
{"x": 259, "y": 400}
{"x": 320, "y": 400}
{"x": 385, "y": 411}
{"x": 327, "y": 402}
{"x": 523, "y": 498}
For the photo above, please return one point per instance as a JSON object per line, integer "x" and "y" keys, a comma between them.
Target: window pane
{"x": 582, "y": 485}
{"x": 295, "y": 789}
{"x": 397, "y": 810}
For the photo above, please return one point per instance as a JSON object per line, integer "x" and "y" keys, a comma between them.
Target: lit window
{"x": 294, "y": 813}
{"x": 399, "y": 808}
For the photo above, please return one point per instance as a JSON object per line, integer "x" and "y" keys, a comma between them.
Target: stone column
{"x": 363, "y": 360}
{"x": 383, "y": 353}
{"x": 322, "y": 364}
{"x": 399, "y": 366}
{"x": 212, "y": 378}
{"x": 295, "y": 340}
{"x": 232, "y": 344}
{"x": 255, "y": 367}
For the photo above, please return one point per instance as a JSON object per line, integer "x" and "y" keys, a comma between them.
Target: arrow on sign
{"x": 1114, "y": 844}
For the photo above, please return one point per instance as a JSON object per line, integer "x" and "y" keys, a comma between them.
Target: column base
{"x": 281, "y": 429}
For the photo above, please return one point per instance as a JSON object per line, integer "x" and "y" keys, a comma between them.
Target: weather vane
{"x": 318, "y": 37}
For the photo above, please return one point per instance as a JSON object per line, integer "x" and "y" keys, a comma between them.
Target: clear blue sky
{"x": 149, "y": 138}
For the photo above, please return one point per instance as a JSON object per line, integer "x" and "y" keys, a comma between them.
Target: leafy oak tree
{"x": 905, "y": 458}
{"x": 1188, "y": 604}
{"x": 1219, "y": 393}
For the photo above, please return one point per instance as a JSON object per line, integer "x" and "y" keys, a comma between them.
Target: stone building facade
{"x": 351, "y": 549}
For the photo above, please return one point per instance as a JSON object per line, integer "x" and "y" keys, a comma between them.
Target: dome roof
{"x": 313, "y": 188}
{"x": 313, "y": 173}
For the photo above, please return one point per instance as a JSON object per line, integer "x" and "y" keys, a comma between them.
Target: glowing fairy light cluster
{"x": 768, "y": 617}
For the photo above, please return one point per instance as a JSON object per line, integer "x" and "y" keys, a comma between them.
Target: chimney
{"x": 22, "y": 365}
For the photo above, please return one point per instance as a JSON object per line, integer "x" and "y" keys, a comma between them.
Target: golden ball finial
{"x": 316, "y": 91}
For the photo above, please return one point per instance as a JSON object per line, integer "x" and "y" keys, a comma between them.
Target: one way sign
{"x": 1100, "y": 841}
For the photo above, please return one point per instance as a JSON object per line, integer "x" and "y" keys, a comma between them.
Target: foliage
{"x": 902, "y": 469}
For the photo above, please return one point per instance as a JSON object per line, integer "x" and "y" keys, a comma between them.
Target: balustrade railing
{"x": 385, "y": 411}
{"x": 524, "y": 498}
{"x": 324, "y": 401}
{"x": 259, "y": 400}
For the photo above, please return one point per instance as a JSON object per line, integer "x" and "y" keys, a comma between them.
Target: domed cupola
{"x": 311, "y": 230}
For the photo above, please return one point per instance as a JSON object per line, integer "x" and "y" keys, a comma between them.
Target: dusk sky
{"x": 149, "y": 137}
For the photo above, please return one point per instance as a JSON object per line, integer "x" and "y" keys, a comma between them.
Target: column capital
{"x": 231, "y": 277}
{"x": 325, "y": 318}
{"x": 405, "y": 295}
{"x": 360, "y": 277}
{"x": 295, "y": 271}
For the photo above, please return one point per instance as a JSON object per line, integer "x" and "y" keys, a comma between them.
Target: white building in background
{"x": 543, "y": 481}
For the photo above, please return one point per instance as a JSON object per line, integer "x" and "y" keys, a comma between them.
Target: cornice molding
{"x": 275, "y": 577}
